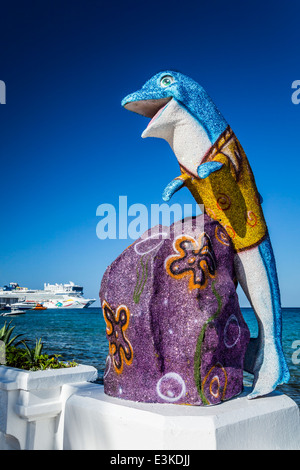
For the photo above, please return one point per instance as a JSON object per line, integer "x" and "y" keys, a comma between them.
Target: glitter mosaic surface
{"x": 173, "y": 322}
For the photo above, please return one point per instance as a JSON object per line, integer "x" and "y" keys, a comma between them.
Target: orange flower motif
{"x": 194, "y": 259}
{"x": 119, "y": 347}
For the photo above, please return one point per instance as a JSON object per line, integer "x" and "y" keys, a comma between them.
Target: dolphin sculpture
{"x": 214, "y": 167}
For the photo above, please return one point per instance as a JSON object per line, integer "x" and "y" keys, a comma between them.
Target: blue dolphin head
{"x": 164, "y": 86}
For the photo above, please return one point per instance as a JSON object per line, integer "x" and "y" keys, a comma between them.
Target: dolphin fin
{"x": 174, "y": 186}
{"x": 206, "y": 169}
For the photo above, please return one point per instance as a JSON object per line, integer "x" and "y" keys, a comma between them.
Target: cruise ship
{"x": 52, "y": 296}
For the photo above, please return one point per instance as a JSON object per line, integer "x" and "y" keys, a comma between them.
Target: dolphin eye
{"x": 166, "y": 81}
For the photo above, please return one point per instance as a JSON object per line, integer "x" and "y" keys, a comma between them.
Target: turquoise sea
{"x": 79, "y": 334}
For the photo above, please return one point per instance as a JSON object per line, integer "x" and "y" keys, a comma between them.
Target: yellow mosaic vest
{"x": 230, "y": 195}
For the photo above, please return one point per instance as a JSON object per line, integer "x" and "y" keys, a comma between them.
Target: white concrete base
{"x": 32, "y": 405}
{"x": 95, "y": 421}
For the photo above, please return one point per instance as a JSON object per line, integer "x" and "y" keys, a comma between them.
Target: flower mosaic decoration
{"x": 119, "y": 347}
{"x": 194, "y": 259}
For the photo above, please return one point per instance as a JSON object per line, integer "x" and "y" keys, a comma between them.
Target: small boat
{"x": 25, "y": 305}
{"x": 39, "y": 307}
{"x": 13, "y": 312}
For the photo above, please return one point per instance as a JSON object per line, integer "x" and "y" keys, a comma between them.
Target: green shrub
{"x": 5, "y": 335}
{"x": 27, "y": 359}
{"x": 21, "y": 356}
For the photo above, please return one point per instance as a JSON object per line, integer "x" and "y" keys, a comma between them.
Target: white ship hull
{"x": 52, "y": 297}
{"x": 68, "y": 303}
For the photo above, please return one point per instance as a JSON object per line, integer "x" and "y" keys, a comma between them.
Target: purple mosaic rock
{"x": 174, "y": 327}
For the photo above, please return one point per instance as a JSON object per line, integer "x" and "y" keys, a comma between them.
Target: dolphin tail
{"x": 256, "y": 272}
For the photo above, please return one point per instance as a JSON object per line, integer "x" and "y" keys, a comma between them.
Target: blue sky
{"x": 67, "y": 146}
